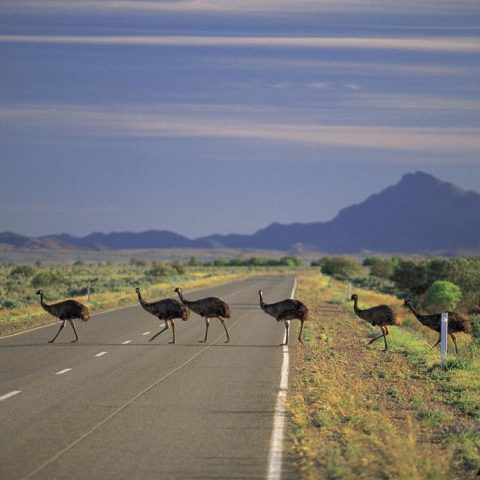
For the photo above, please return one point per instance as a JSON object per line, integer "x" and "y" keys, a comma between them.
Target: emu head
{"x": 39, "y": 292}
{"x": 407, "y": 302}
{"x": 137, "y": 290}
{"x": 354, "y": 297}
{"x": 178, "y": 290}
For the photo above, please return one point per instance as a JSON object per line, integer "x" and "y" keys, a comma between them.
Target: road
{"x": 145, "y": 410}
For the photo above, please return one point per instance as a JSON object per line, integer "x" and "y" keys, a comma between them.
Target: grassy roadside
{"x": 31, "y": 316}
{"x": 359, "y": 412}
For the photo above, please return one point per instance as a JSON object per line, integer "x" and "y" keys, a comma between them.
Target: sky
{"x": 216, "y": 116}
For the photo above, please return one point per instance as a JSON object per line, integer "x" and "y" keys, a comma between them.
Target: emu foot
{"x": 51, "y": 341}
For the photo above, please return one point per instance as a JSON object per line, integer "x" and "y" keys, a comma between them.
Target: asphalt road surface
{"x": 116, "y": 406}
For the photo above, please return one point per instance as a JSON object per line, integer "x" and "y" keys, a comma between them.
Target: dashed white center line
{"x": 146, "y": 333}
{"x": 101, "y": 354}
{"x": 126, "y": 341}
{"x": 61, "y": 372}
{"x": 10, "y": 394}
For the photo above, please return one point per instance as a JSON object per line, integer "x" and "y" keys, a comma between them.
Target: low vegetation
{"x": 360, "y": 412}
{"x": 430, "y": 283}
{"x": 99, "y": 286}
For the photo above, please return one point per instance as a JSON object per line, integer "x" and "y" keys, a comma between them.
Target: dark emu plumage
{"x": 66, "y": 311}
{"x": 456, "y": 323}
{"x": 168, "y": 310}
{"x": 285, "y": 310}
{"x": 381, "y": 315}
{"x": 207, "y": 308}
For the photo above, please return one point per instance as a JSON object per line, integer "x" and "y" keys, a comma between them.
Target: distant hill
{"x": 420, "y": 214}
{"x": 13, "y": 240}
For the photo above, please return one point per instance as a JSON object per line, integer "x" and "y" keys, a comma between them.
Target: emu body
{"x": 381, "y": 315}
{"x": 284, "y": 311}
{"x": 207, "y": 308}
{"x": 456, "y": 323}
{"x": 167, "y": 310}
{"x": 66, "y": 311}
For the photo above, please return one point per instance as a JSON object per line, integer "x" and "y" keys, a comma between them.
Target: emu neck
{"x": 140, "y": 299}
{"x": 43, "y": 304}
{"x": 262, "y": 303}
{"x": 180, "y": 296}
{"x": 355, "y": 306}
{"x": 419, "y": 317}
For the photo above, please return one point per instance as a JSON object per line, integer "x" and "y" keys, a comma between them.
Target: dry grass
{"x": 359, "y": 412}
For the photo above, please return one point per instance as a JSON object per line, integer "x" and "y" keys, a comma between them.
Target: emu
{"x": 207, "y": 308}
{"x": 456, "y": 323}
{"x": 286, "y": 310}
{"x": 167, "y": 310}
{"x": 66, "y": 311}
{"x": 381, "y": 315}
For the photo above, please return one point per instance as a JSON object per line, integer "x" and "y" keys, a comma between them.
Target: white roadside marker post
{"x": 443, "y": 338}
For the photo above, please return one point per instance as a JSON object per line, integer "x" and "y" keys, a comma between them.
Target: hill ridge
{"x": 419, "y": 214}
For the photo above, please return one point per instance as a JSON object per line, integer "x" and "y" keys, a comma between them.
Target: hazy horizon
{"x": 207, "y": 116}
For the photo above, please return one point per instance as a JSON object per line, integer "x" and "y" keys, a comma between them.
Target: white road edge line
{"x": 61, "y": 372}
{"x": 10, "y": 394}
{"x": 146, "y": 333}
{"x": 126, "y": 342}
{"x": 275, "y": 453}
{"x": 100, "y": 354}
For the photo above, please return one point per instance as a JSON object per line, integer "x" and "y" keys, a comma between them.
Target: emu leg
{"x": 207, "y": 324}
{"x": 74, "y": 331}
{"x": 226, "y": 331}
{"x": 438, "y": 341}
{"x": 380, "y": 336}
{"x": 301, "y": 330}
{"x": 287, "y": 325}
{"x": 172, "y": 323}
{"x": 58, "y": 333}
{"x": 161, "y": 331}
{"x": 454, "y": 342}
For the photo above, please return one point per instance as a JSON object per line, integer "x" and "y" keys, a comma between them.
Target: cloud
{"x": 359, "y": 68}
{"x": 319, "y": 85}
{"x": 417, "y": 102}
{"x": 430, "y": 44}
{"x": 351, "y": 86}
{"x": 160, "y": 123}
{"x": 307, "y": 7}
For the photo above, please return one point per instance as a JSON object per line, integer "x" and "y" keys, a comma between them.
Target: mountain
{"x": 420, "y": 214}
{"x": 13, "y": 240}
{"x": 130, "y": 240}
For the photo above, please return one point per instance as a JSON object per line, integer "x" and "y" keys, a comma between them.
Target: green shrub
{"x": 46, "y": 279}
{"x": 343, "y": 267}
{"x": 7, "y": 303}
{"x": 22, "y": 271}
{"x": 443, "y": 295}
{"x": 160, "y": 269}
